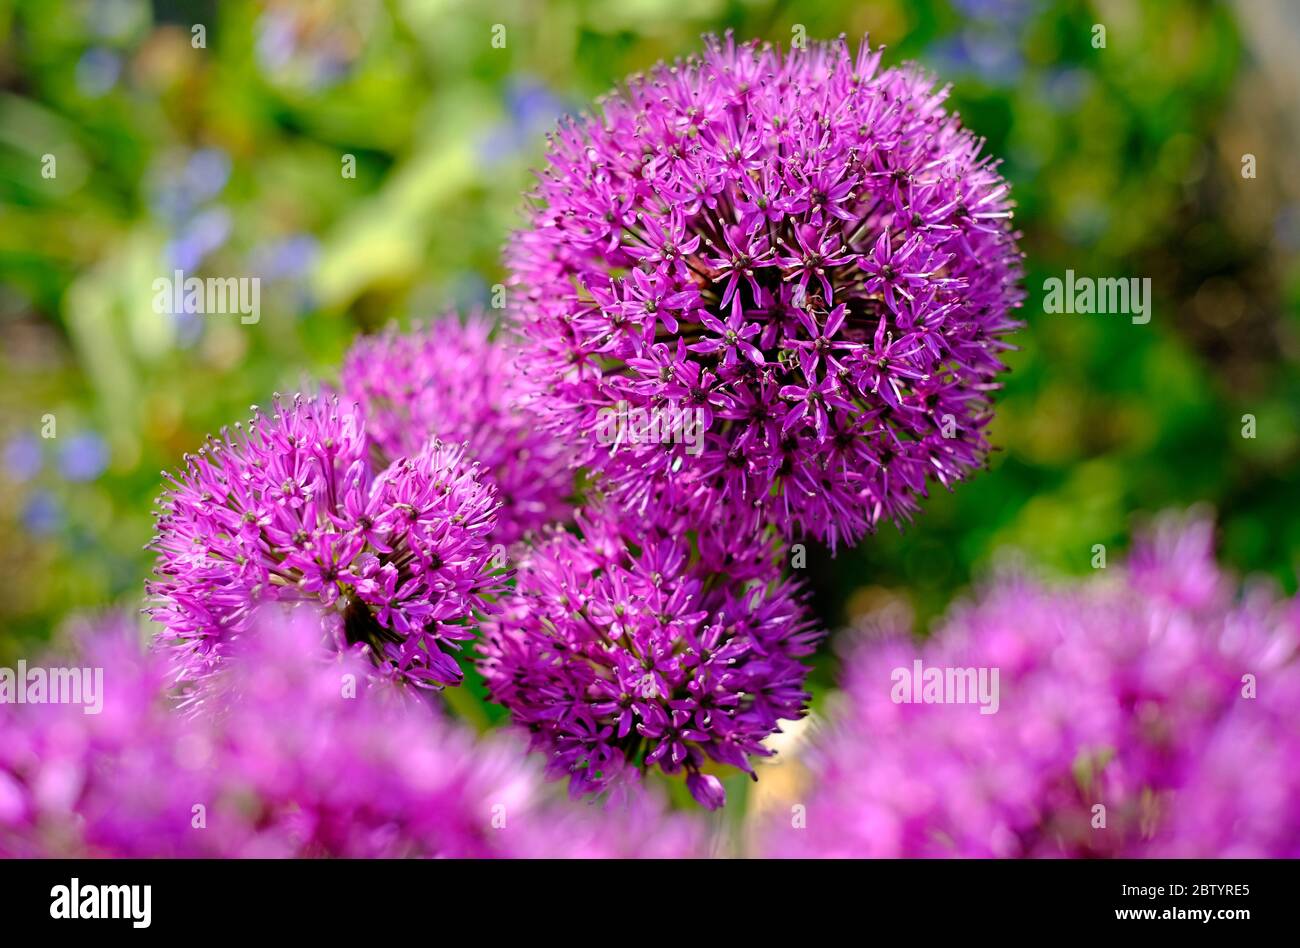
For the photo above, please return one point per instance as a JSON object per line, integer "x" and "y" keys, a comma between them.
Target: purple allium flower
{"x": 291, "y": 510}
{"x": 450, "y": 379}
{"x": 1128, "y": 692}
{"x": 807, "y": 251}
{"x": 289, "y": 759}
{"x": 625, "y": 649}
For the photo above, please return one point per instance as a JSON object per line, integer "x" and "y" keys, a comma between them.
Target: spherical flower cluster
{"x": 291, "y": 509}
{"x": 450, "y": 378}
{"x": 804, "y": 255}
{"x": 626, "y": 649}
{"x": 289, "y": 759}
{"x": 1150, "y": 714}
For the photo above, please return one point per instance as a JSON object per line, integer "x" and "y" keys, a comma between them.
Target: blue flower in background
{"x": 299, "y": 48}
{"x": 116, "y": 20}
{"x": 288, "y": 262}
{"x": 83, "y": 457}
{"x": 992, "y": 56}
{"x": 1286, "y": 226}
{"x": 206, "y": 173}
{"x": 23, "y": 457}
{"x": 276, "y": 41}
{"x": 1066, "y": 88}
{"x": 189, "y": 329}
{"x": 532, "y": 109}
{"x": 201, "y": 236}
{"x": 1005, "y": 12}
{"x": 42, "y": 514}
{"x": 178, "y": 192}
{"x": 178, "y": 189}
{"x": 97, "y": 71}
{"x": 287, "y": 259}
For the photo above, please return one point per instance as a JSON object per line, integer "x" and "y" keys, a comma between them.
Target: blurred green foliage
{"x": 229, "y": 159}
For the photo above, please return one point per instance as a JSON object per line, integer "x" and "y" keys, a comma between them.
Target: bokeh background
{"x": 227, "y": 160}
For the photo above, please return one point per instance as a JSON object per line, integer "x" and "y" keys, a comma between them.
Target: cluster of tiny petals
{"x": 625, "y": 649}
{"x": 1158, "y": 693}
{"x": 285, "y": 760}
{"x": 808, "y": 251}
{"x": 289, "y": 508}
{"x": 451, "y": 378}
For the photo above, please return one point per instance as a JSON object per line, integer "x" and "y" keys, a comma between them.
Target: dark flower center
{"x": 360, "y": 627}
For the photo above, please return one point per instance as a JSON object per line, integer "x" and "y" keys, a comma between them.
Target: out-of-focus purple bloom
{"x": 183, "y": 184}
{"x": 200, "y": 237}
{"x": 291, "y": 758}
{"x": 206, "y": 173}
{"x": 189, "y": 329}
{"x": 986, "y": 52}
{"x": 1286, "y": 226}
{"x": 450, "y": 379}
{"x": 531, "y": 108}
{"x": 291, "y": 509}
{"x": 117, "y": 21}
{"x": 1150, "y": 712}
{"x": 1066, "y": 88}
{"x": 42, "y": 513}
{"x": 624, "y": 649}
{"x": 808, "y": 251}
{"x": 276, "y": 41}
{"x": 97, "y": 71}
{"x": 531, "y": 103}
{"x": 1006, "y": 13}
{"x": 83, "y": 457}
{"x": 287, "y": 259}
{"x": 297, "y": 48}
{"x": 23, "y": 457}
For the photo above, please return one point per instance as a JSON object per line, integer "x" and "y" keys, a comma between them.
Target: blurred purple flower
{"x": 275, "y": 40}
{"x": 531, "y": 108}
{"x": 290, "y": 759}
{"x": 296, "y": 47}
{"x": 985, "y": 53}
{"x": 23, "y": 457}
{"x": 206, "y": 232}
{"x": 179, "y": 187}
{"x": 1007, "y": 13}
{"x": 1127, "y": 693}
{"x": 287, "y": 259}
{"x": 189, "y": 329}
{"x": 1286, "y": 226}
{"x": 42, "y": 513}
{"x": 1066, "y": 88}
{"x": 97, "y": 72}
{"x": 83, "y": 457}
{"x": 206, "y": 173}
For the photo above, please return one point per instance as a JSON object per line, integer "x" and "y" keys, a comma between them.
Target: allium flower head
{"x": 450, "y": 378}
{"x": 290, "y": 509}
{"x": 1156, "y": 694}
{"x": 289, "y": 758}
{"x": 808, "y": 251}
{"x": 624, "y": 649}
